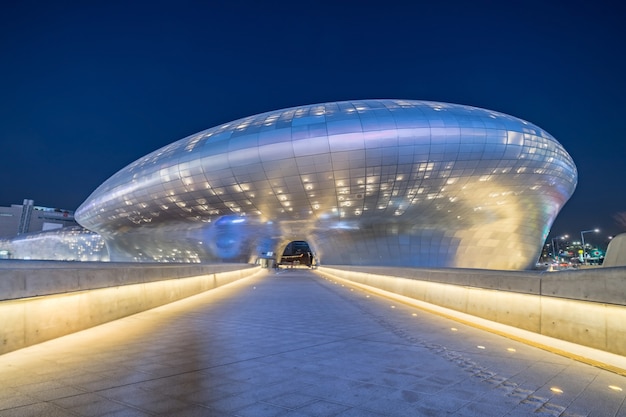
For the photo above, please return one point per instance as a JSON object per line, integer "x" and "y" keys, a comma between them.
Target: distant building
{"x": 27, "y": 218}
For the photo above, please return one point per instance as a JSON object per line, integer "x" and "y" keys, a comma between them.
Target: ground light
{"x": 595, "y": 357}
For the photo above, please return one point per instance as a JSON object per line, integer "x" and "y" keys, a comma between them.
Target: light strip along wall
{"x": 579, "y": 314}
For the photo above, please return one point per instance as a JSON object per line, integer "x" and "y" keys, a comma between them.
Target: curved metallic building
{"x": 72, "y": 243}
{"x": 370, "y": 182}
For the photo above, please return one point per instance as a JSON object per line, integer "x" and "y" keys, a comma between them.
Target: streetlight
{"x": 554, "y": 247}
{"x": 582, "y": 238}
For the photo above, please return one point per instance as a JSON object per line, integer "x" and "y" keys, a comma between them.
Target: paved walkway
{"x": 293, "y": 344}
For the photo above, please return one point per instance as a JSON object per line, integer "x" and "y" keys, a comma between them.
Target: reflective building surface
{"x": 371, "y": 182}
{"x": 72, "y": 243}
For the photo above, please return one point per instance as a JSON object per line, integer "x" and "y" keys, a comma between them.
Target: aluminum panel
{"x": 370, "y": 182}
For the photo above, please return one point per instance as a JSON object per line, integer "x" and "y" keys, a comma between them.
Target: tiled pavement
{"x": 293, "y": 344}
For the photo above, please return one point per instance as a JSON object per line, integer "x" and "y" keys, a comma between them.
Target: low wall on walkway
{"x": 586, "y": 307}
{"x": 40, "y": 301}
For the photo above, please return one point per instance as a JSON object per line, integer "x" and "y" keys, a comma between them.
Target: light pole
{"x": 555, "y": 246}
{"x": 582, "y": 238}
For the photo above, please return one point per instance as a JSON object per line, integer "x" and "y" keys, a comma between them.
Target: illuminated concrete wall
{"x": 586, "y": 308}
{"x": 373, "y": 182}
{"x": 616, "y": 252}
{"x": 40, "y": 301}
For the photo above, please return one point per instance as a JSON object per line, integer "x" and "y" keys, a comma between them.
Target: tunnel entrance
{"x": 296, "y": 253}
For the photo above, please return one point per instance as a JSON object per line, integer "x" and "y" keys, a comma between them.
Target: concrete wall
{"x": 586, "y": 307}
{"x": 40, "y": 301}
{"x": 616, "y": 252}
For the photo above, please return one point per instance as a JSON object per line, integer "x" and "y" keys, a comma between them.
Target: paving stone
{"x": 294, "y": 344}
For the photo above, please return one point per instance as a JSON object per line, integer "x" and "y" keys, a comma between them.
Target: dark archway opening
{"x": 297, "y": 252}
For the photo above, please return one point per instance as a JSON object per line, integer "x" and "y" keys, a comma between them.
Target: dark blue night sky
{"x": 88, "y": 87}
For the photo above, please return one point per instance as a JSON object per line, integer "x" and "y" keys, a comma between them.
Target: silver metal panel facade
{"x": 72, "y": 243}
{"x": 372, "y": 182}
